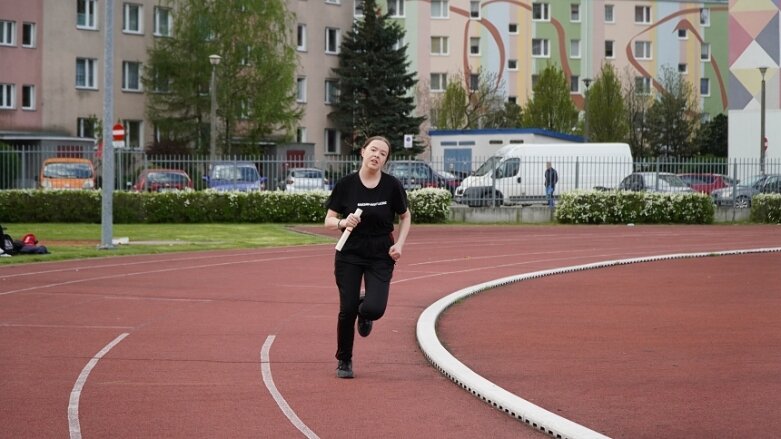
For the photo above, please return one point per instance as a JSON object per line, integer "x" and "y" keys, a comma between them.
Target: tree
{"x": 510, "y": 116}
{"x": 255, "y": 77}
{"x": 375, "y": 86}
{"x": 473, "y": 104}
{"x": 673, "y": 118}
{"x": 607, "y": 120}
{"x": 638, "y": 102}
{"x": 713, "y": 135}
{"x": 551, "y": 107}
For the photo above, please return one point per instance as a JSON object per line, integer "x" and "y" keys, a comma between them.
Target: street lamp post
{"x": 215, "y": 61}
{"x": 587, "y": 82}
{"x": 762, "y": 70}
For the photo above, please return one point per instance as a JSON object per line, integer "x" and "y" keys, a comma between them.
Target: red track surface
{"x": 667, "y": 349}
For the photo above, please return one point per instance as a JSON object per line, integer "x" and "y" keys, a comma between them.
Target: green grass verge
{"x": 75, "y": 241}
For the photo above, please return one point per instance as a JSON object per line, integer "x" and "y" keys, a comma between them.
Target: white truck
{"x": 515, "y": 174}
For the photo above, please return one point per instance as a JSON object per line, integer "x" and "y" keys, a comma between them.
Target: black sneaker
{"x": 344, "y": 369}
{"x": 364, "y": 326}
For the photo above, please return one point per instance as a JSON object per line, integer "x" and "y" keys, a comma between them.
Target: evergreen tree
{"x": 551, "y": 107}
{"x": 713, "y": 136}
{"x": 607, "y": 119}
{"x": 255, "y": 77}
{"x": 673, "y": 118}
{"x": 375, "y": 87}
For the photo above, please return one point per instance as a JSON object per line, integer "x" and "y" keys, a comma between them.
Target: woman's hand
{"x": 395, "y": 252}
{"x": 351, "y": 221}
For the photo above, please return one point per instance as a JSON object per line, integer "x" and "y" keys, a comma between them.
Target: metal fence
{"x": 20, "y": 168}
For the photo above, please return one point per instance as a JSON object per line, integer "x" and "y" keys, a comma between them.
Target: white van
{"x": 515, "y": 174}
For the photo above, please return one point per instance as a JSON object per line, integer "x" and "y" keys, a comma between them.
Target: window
{"x": 474, "y": 45}
{"x": 7, "y": 33}
{"x": 396, "y": 8}
{"x": 331, "y": 40}
{"x": 704, "y": 17}
{"x": 301, "y": 38}
{"x": 643, "y": 49}
{"x": 512, "y": 64}
{"x": 474, "y": 81}
{"x": 643, "y": 14}
{"x": 161, "y": 83}
{"x": 331, "y": 91}
{"x": 540, "y": 47}
{"x": 333, "y": 2}
{"x": 163, "y": 22}
{"x": 574, "y": 83}
{"x": 132, "y": 18}
{"x": 705, "y": 52}
{"x": 540, "y": 11}
{"x": 399, "y": 44}
{"x": 85, "y": 127}
{"x": 512, "y": 100}
{"x": 705, "y": 86}
{"x": 609, "y": 49}
{"x": 574, "y": 12}
{"x": 439, "y": 9}
{"x": 87, "y": 14}
{"x": 574, "y": 48}
{"x": 474, "y": 9}
{"x": 86, "y": 73}
{"x": 683, "y": 34}
{"x": 535, "y": 79}
{"x": 609, "y": 17}
{"x": 683, "y": 68}
{"x": 131, "y": 76}
{"x": 513, "y": 28}
{"x": 439, "y": 46}
{"x": 28, "y": 35}
{"x": 332, "y": 141}
{"x": 300, "y": 135}
{"x": 28, "y": 97}
{"x": 133, "y": 133}
{"x": 7, "y": 94}
{"x": 358, "y": 8}
{"x": 301, "y": 89}
{"x": 245, "y": 108}
{"x": 643, "y": 85}
{"x": 438, "y": 82}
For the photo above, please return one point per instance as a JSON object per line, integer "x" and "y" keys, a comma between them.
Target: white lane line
{"x": 491, "y": 393}
{"x": 73, "y": 404}
{"x": 265, "y": 368}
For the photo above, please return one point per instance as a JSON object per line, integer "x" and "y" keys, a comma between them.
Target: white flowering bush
{"x": 766, "y": 208}
{"x": 621, "y": 207}
{"x": 429, "y": 205}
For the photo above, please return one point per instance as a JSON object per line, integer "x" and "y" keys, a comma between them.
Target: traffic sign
{"x": 408, "y": 141}
{"x": 118, "y": 131}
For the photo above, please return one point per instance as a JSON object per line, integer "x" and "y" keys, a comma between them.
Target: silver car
{"x": 305, "y": 179}
{"x": 741, "y": 195}
{"x": 654, "y": 182}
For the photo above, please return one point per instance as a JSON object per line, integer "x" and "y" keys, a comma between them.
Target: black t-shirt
{"x": 379, "y": 206}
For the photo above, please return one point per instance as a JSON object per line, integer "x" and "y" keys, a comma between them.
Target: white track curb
{"x": 499, "y": 398}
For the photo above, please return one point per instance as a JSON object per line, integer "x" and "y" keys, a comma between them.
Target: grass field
{"x": 71, "y": 241}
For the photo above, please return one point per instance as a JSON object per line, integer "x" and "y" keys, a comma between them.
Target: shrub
{"x": 429, "y": 205}
{"x": 766, "y": 208}
{"x": 620, "y": 207}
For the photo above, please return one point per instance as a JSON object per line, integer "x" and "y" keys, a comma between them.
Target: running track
{"x": 179, "y": 345}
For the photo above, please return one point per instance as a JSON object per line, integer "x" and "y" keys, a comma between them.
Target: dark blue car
{"x": 235, "y": 176}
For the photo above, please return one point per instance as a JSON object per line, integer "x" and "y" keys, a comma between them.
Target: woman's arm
{"x": 332, "y": 221}
{"x": 405, "y": 221}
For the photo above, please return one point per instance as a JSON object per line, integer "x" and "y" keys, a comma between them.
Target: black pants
{"x": 349, "y": 271}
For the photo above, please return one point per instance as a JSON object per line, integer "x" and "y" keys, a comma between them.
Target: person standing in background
{"x": 551, "y": 178}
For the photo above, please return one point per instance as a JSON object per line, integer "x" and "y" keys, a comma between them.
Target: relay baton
{"x": 347, "y": 231}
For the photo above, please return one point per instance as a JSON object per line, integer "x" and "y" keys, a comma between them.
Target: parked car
{"x": 654, "y": 182}
{"x": 163, "y": 180}
{"x": 452, "y": 181}
{"x": 305, "y": 179}
{"x": 742, "y": 194}
{"x": 707, "y": 183}
{"x": 416, "y": 174}
{"x": 235, "y": 176}
{"x": 67, "y": 173}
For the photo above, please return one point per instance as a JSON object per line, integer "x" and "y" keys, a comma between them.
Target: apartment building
{"x": 51, "y": 54}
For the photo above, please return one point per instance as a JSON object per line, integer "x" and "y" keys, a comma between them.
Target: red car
{"x": 163, "y": 180}
{"x": 707, "y": 183}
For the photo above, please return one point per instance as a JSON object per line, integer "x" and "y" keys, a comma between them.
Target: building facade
{"x": 51, "y": 54}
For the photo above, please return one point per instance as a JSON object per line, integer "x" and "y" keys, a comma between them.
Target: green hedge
{"x": 623, "y": 207}
{"x": 427, "y": 206}
{"x": 766, "y": 208}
